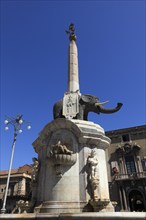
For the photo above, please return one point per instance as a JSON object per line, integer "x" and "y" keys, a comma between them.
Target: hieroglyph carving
{"x": 70, "y": 105}
{"x": 92, "y": 162}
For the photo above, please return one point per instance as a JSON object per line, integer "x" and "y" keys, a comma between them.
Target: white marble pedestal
{"x": 64, "y": 180}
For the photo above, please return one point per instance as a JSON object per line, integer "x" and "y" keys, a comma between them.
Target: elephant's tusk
{"x": 101, "y": 103}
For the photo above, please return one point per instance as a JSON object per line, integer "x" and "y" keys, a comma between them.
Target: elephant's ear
{"x": 86, "y": 98}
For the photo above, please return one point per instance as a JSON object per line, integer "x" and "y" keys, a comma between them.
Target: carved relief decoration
{"x": 70, "y": 105}
{"x": 62, "y": 151}
{"x": 127, "y": 148}
{"x": 60, "y": 154}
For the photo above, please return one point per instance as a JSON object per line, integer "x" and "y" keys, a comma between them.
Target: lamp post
{"x": 17, "y": 124}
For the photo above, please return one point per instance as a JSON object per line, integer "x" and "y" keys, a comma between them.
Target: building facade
{"x": 127, "y": 168}
{"x": 19, "y": 187}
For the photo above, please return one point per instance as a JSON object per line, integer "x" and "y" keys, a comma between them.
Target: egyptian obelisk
{"x": 73, "y": 76}
{"x": 71, "y": 97}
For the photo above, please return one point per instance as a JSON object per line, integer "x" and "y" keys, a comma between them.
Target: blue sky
{"x": 34, "y": 47}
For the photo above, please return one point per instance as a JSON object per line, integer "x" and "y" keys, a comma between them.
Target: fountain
{"x": 69, "y": 179}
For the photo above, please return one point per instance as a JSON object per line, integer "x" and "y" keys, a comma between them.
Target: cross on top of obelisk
{"x": 71, "y": 32}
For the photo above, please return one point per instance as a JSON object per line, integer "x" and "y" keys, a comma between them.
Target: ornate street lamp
{"x": 17, "y": 124}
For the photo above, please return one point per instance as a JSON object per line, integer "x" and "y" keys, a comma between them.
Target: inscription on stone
{"x": 70, "y": 105}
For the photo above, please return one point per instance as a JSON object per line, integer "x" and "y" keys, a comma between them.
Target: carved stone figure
{"x": 87, "y": 103}
{"x": 61, "y": 155}
{"x": 35, "y": 169}
{"x": 22, "y": 206}
{"x": 92, "y": 163}
{"x": 60, "y": 149}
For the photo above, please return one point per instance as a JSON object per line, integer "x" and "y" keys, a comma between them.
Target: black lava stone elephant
{"x": 87, "y": 103}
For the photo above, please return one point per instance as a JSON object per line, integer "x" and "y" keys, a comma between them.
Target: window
{"x": 126, "y": 138}
{"x": 144, "y": 164}
{"x": 130, "y": 164}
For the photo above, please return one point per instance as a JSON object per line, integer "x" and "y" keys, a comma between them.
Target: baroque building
{"x": 127, "y": 168}
{"x": 19, "y": 187}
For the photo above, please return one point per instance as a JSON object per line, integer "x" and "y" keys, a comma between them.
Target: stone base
{"x": 102, "y": 206}
{"x": 58, "y": 207}
{"x": 78, "y": 216}
{"x": 64, "y": 180}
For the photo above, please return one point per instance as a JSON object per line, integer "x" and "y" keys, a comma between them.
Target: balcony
{"x": 131, "y": 176}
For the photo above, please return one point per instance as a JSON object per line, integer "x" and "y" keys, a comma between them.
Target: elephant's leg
{"x": 57, "y": 110}
{"x": 82, "y": 115}
{"x": 85, "y": 117}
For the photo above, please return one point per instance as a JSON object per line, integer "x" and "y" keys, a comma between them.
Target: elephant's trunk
{"x": 107, "y": 110}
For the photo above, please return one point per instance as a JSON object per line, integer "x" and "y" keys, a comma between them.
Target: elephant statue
{"x": 87, "y": 103}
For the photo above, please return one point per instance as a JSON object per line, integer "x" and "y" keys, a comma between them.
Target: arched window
{"x": 136, "y": 201}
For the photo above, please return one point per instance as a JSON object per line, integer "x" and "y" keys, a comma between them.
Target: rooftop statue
{"x": 74, "y": 105}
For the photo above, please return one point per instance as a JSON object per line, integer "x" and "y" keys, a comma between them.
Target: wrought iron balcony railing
{"x": 129, "y": 176}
